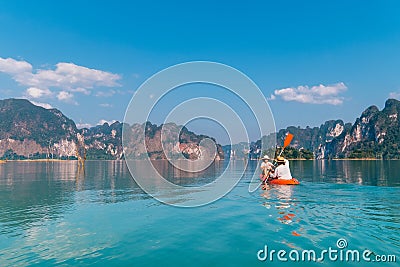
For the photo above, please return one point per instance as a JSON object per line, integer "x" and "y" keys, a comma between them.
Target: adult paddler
{"x": 282, "y": 171}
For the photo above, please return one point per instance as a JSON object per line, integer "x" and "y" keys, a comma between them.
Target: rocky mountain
{"x": 29, "y": 131}
{"x": 103, "y": 141}
{"x": 170, "y": 141}
{"x": 375, "y": 134}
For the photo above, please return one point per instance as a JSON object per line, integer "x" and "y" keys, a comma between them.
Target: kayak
{"x": 292, "y": 181}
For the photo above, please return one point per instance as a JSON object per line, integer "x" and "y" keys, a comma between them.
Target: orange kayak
{"x": 292, "y": 181}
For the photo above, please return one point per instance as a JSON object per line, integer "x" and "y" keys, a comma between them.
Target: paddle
{"x": 286, "y": 142}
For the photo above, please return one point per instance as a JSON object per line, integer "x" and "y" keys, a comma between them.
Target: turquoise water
{"x": 51, "y": 213}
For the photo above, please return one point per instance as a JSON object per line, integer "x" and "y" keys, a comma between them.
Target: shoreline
{"x": 36, "y": 160}
{"x": 365, "y": 159}
{"x": 54, "y": 160}
{"x": 69, "y": 160}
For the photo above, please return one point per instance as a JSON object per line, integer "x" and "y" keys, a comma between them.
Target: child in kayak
{"x": 282, "y": 171}
{"x": 266, "y": 167}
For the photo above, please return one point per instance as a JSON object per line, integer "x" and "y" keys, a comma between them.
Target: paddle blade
{"x": 288, "y": 139}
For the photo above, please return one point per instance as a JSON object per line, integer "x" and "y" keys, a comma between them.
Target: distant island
{"x": 374, "y": 135}
{"x": 31, "y": 132}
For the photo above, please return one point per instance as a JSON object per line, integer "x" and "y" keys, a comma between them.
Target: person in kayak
{"x": 266, "y": 166}
{"x": 282, "y": 171}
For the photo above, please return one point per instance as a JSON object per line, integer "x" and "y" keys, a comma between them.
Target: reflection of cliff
{"x": 157, "y": 176}
{"x": 112, "y": 180}
{"x": 32, "y": 192}
{"x": 365, "y": 172}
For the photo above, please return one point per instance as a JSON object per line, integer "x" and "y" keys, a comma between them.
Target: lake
{"x": 52, "y": 213}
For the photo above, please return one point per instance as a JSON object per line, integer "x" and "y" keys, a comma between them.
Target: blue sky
{"x": 315, "y": 60}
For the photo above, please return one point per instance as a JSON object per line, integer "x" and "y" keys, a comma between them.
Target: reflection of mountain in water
{"x": 32, "y": 192}
{"x": 175, "y": 175}
{"x": 363, "y": 172}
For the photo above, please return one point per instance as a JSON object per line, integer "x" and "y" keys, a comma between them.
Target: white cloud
{"x": 83, "y": 125}
{"x": 66, "y": 77}
{"x": 37, "y": 92}
{"x": 43, "y": 105}
{"x": 319, "y": 94}
{"x": 395, "y": 95}
{"x": 66, "y": 97}
{"x": 101, "y": 122}
{"x": 106, "y": 105}
{"x": 12, "y": 66}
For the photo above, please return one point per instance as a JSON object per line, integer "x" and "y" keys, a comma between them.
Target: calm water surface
{"x": 51, "y": 213}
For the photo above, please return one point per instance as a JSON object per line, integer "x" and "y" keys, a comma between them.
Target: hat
{"x": 280, "y": 159}
{"x": 265, "y": 157}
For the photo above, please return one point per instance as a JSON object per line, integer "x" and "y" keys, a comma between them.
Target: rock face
{"x": 29, "y": 131}
{"x": 376, "y": 134}
{"x": 103, "y": 141}
{"x": 167, "y": 141}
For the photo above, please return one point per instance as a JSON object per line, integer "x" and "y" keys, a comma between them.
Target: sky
{"x": 312, "y": 60}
